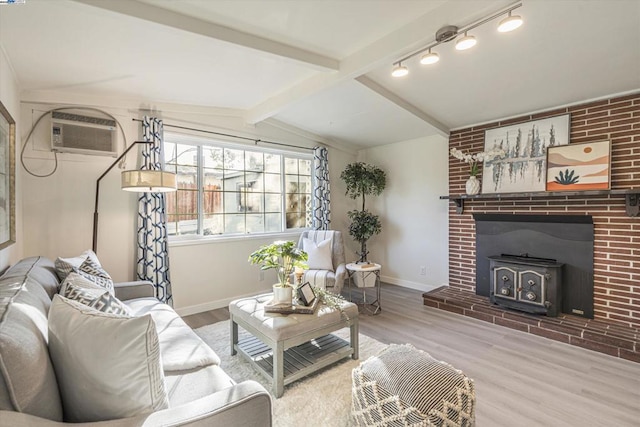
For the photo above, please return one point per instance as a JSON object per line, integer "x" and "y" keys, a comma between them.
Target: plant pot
{"x": 472, "y": 186}
{"x": 282, "y": 294}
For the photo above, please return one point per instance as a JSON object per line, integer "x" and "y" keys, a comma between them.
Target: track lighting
{"x": 399, "y": 70}
{"x": 451, "y": 32}
{"x": 429, "y": 58}
{"x": 466, "y": 42}
{"x": 510, "y": 23}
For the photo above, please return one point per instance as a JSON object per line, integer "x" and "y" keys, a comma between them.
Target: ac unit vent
{"x": 73, "y": 133}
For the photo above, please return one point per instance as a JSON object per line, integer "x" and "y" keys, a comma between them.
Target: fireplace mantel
{"x": 632, "y": 196}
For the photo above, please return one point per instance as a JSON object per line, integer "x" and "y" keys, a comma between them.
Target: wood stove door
{"x": 504, "y": 282}
{"x": 532, "y": 287}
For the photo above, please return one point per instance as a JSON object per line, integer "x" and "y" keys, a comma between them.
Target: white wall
{"x": 58, "y": 210}
{"x": 9, "y": 95}
{"x": 414, "y": 219}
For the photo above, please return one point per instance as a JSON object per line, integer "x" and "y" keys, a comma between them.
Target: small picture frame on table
{"x": 305, "y": 294}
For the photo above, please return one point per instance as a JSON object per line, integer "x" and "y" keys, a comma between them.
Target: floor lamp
{"x": 143, "y": 181}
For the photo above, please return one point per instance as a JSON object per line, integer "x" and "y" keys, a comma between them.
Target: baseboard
{"x": 409, "y": 284}
{"x": 211, "y": 305}
{"x": 221, "y": 303}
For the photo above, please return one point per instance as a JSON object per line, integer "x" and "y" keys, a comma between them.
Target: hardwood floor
{"x": 520, "y": 379}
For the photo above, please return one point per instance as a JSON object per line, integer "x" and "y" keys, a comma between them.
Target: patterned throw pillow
{"x": 94, "y": 272}
{"x": 64, "y": 266}
{"x": 82, "y": 290}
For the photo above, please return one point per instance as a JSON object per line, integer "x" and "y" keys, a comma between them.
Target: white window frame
{"x": 199, "y": 142}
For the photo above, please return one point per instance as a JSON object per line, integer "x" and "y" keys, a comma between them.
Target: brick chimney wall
{"x": 617, "y": 236}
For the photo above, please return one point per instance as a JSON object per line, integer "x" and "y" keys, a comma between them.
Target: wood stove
{"x": 567, "y": 239}
{"x": 526, "y": 283}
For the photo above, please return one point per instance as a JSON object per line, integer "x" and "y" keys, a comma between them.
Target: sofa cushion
{"x": 84, "y": 291}
{"x": 28, "y": 382}
{"x": 181, "y": 348}
{"x": 187, "y": 386}
{"x": 84, "y": 343}
{"x": 64, "y": 266}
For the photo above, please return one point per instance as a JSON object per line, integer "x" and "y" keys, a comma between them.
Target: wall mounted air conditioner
{"x": 72, "y": 133}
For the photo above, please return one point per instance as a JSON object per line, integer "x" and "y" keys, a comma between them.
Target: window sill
{"x": 208, "y": 240}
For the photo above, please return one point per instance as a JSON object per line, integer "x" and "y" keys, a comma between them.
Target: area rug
{"x": 322, "y": 399}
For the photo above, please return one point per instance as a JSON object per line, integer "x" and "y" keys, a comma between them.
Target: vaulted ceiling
{"x": 324, "y": 66}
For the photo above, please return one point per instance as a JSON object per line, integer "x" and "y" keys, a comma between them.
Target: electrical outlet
{"x": 261, "y": 275}
{"x": 423, "y": 270}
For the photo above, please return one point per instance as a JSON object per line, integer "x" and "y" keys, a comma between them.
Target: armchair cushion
{"x": 319, "y": 253}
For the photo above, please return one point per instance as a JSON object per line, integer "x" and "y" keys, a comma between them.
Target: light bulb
{"x": 466, "y": 42}
{"x": 400, "y": 71}
{"x": 510, "y": 23}
{"x": 430, "y": 58}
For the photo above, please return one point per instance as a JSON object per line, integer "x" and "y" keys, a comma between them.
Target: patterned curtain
{"x": 153, "y": 256}
{"x": 321, "y": 202}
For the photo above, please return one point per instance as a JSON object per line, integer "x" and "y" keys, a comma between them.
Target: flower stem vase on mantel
{"x": 472, "y": 186}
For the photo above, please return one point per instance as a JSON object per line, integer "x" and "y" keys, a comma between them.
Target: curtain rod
{"x": 255, "y": 140}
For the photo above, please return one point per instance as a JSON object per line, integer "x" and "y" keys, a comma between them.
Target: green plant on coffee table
{"x": 282, "y": 255}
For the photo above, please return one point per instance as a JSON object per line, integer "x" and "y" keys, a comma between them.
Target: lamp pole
{"x": 95, "y": 212}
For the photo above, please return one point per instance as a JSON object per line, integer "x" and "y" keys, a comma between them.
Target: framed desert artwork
{"x": 578, "y": 167}
{"x": 523, "y": 167}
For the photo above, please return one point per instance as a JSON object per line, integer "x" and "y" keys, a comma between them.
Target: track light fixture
{"x": 399, "y": 70}
{"x": 466, "y": 42}
{"x": 510, "y": 23}
{"x": 451, "y": 32}
{"x": 429, "y": 58}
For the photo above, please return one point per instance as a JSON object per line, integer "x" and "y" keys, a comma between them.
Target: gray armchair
{"x": 331, "y": 280}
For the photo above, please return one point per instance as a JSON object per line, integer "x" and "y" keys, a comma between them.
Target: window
{"x": 227, "y": 189}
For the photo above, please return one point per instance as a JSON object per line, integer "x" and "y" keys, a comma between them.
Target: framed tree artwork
{"x": 578, "y": 167}
{"x": 7, "y": 178}
{"x": 523, "y": 167}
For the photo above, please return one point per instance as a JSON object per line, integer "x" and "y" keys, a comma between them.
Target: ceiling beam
{"x": 384, "y": 51}
{"x": 402, "y": 103}
{"x": 343, "y": 146}
{"x": 190, "y": 24}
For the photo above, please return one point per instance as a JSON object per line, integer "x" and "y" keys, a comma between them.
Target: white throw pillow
{"x": 319, "y": 254}
{"x": 108, "y": 366}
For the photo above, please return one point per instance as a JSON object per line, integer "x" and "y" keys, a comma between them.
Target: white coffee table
{"x": 287, "y": 347}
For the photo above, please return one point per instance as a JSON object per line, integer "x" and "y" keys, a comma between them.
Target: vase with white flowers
{"x": 472, "y": 186}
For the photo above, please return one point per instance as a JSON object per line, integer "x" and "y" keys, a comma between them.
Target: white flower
{"x": 474, "y": 159}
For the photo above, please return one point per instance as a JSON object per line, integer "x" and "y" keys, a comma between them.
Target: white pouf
{"x": 404, "y": 386}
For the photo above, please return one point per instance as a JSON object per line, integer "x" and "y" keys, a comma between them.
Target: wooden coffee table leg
{"x": 234, "y": 336}
{"x": 278, "y": 369}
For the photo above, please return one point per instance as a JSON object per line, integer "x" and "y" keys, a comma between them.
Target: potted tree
{"x": 284, "y": 256}
{"x": 363, "y": 180}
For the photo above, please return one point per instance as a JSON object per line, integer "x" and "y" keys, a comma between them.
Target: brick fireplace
{"x": 616, "y": 257}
